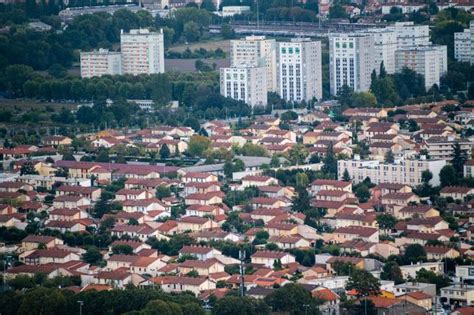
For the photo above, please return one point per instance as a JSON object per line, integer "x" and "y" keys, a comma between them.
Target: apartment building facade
{"x": 299, "y": 70}
{"x": 245, "y": 83}
{"x": 464, "y": 44}
{"x": 442, "y": 147}
{"x": 410, "y": 35}
{"x": 423, "y": 60}
{"x": 352, "y": 60}
{"x": 100, "y": 62}
{"x": 385, "y": 45}
{"x": 142, "y": 52}
{"x": 407, "y": 172}
{"x": 256, "y": 51}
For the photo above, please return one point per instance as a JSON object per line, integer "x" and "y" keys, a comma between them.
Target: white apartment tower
{"x": 464, "y": 45}
{"x": 256, "y": 51}
{"x": 245, "y": 83}
{"x": 100, "y": 62}
{"x": 422, "y": 60}
{"x": 142, "y": 52}
{"x": 299, "y": 70}
{"x": 385, "y": 44}
{"x": 407, "y": 172}
{"x": 410, "y": 35}
{"x": 351, "y": 61}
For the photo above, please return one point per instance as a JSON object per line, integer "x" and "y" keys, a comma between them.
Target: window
{"x": 283, "y": 50}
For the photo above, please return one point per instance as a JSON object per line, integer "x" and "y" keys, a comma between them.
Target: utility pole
{"x": 81, "y": 303}
{"x": 305, "y": 306}
{"x": 242, "y": 272}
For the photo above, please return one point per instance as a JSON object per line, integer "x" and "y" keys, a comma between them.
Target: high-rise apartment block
{"x": 142, "y": 52}
{"x": 385, "y": 44}
{"x": 423, "y": 60}
{"x": 245, "y": 83}
{"x": 256, "y": 51}
{"x": 299, "y": 70}
{"x": 100, "y": 62}
{"x": 407, "y": 172}
{"x": 351, "y": 61}
{"x": 464, "y": 45}
{"x": 410, "y": 35}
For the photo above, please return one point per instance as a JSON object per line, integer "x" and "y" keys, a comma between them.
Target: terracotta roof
{"x": 195, "y": 250}
{"x": 419, "y": 295}
{"x": 269, "y": 254}
{"x": 197, "y": 281}
{"x": 40, "y": 239}
{"x": 357, "y": 230}
{"x": 325, "y": 295}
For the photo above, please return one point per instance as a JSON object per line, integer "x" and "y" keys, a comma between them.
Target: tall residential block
{"x": 410, "y": 35}
{"x": 407, "y": 172}
{"x": 464, "y": 45}
{"x": 385, "y": 44}
{"x": 142, "y": 52}
{"x": 256, "y": 51}
{"x": 100, "y": 62}
{"x": 299, "y": 70}
{"x": 245, "y": 83}
{"x": 351, "y": 61}
{"x": 423, "y": 60}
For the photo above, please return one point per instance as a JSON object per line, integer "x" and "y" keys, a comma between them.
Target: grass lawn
{"x": 208, "y": 45}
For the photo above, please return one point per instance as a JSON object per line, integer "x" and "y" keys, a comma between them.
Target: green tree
{"x": 391, "y": 271}
{"x": 252, "y": 149}
{"x": 364, "y": 283}
{"x": 426, "y": 177}
{"x": 298, "y": 154}
{"x": 389, "y": 157}
{"x": 302, "y": 179}
{"x": 362, "y": 192}
{"x": 291, "y": 298}
{"x": 345, "y": 176}
{"x": 198, "y": 145}
{"x": 429, "y": 276}
{"x": 459, "y": 158}
{"x": 448, "y": 176}
{"x": 122, "y": 249}
{"x": 42, "y": 301}
{"x": 363, "y": 99}
{"x": 330, "y": 162}
{"x": 236, "y": 305}
{"x": 386, "y": 221}
{"x": 92, "y": 255}
{"x": 21, "y": 282}
{"x": 227, "y": 31}
{"x": 102, "y": 156}
{"x": 414, "y": 253}
{"x": 228, "y": 169}
{"x": 15, "y": 76}
{"x": 191, "y": 31}
{"x": 164, "y": 152}
{"x": 163, "y": 191}
{"x": 337, "y": 11}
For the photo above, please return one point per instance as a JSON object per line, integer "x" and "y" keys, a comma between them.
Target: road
{"x": 294, "y": 29}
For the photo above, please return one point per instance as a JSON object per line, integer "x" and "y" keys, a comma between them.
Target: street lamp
{"x": 81, "y": 303}
{"x": 306, "y": 306}
{"x": 5, "y": 268}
